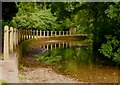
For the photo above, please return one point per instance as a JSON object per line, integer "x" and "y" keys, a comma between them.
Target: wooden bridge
{"x": 13, "y": 37}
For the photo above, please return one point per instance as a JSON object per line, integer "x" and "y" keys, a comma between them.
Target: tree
{"x": 111, "y": 48}
{"x": 100, "y": 19}
{"x": 31, "y": 16}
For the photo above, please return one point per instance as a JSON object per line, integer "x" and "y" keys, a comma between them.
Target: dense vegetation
{"x": 100, "y": 19}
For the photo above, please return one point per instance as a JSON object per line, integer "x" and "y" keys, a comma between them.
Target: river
{"x": 72, "y": 59}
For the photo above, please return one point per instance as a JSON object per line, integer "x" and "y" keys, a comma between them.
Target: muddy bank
{"x": 35, "y": 72}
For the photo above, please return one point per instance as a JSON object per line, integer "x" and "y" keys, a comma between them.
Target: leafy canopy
{"x": 31, "y": 16}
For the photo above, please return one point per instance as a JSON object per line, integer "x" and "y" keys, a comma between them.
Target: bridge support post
{"x": 55, "y": 45}
{"x": 59, "y": 45}
{"x": 51, "y": 46}
{"x": 11, "y": 39}
{"x": 44, "y": 46}
{"x": 6, "y": 43}
{"x": 63, "y": 44}
{"x": 70, "y": 44}
{"x": 66, "y": 45}
{"x": 47, "y": 47}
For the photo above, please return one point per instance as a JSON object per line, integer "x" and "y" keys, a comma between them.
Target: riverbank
{"x": 32, "y": 71}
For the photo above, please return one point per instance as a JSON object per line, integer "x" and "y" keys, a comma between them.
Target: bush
{"x": 30, "y": 16}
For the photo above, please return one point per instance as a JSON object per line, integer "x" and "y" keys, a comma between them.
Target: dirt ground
{"x": 33, "y": 72}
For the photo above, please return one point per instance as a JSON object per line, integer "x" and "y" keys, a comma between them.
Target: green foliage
{"x": 112, "y": 45}
{"x": 29, "y": 16}
{"x": 67, "y": 55}
{"x": 111, "y": 48}
{"x": 50, "y": 57}
{"x": 99, "y": 19}
{"x": 3, "y": 82}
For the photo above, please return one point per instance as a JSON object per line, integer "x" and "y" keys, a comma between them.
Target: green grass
{"x": 3, "y": 82}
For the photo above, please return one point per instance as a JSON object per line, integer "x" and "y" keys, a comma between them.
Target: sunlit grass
{"x": 3, "y": 82}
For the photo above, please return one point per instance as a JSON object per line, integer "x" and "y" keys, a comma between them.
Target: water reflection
{"x": 75, "y": 60}
{"x": 50, "y": 45}
{"x": 69, "y": 58}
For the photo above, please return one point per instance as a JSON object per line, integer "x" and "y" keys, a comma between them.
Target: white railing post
{"x": 23, "y": 35}
{"x": 55, "y": 33}
{"x": 28, "y": 34}
{"x": 51, "y": 33}
{"x": 14, "y": 34}
{"x": 63, "y": 32}
{"x": 59, "y": 32}
{"x": 36, "y": 34}
{"x": 44, "y": 32}
{"x": 40, "y": 33}
{"x": 47, "y": 33}
{"x": 69, "y": 32}
{"x": 11, "y": 39}
{"x": 19, "y": 36}
{"x": 33, "y": 34}
{"x": 66, "y": 32}
{"x": 6, "y": 43}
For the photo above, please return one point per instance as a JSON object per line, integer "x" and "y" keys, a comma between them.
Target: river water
{"x": 79, "y": 62}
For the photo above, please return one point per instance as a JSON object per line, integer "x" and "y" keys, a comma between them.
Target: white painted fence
{"x": 13, "y": 36}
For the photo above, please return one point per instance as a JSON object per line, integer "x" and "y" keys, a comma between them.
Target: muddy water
{"x": 78, "y": 61}
{"x": 79, "y": 64}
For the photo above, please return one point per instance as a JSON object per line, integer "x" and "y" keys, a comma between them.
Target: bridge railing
{"x": 14, "y": 36}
